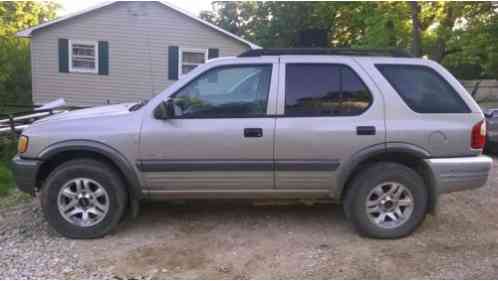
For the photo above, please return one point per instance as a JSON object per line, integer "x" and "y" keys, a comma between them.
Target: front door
{"x": 222, "y": 136}
{"x": 329, "y": 111}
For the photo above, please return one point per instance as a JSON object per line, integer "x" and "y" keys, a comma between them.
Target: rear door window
{"x": 324, "y": 90}
{"x": 423, "y": 89}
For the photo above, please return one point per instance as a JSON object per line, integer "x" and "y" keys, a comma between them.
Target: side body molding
{"x": 128, "y": 170}
{"x": 357, "y": 158}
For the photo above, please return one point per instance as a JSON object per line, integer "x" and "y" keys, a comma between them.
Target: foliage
{"x": 461, "y": 35}
{"x": 6, "y": 179}
{"x": 477, "y": 41}
{"x": 7, "y": 151}
{"x": 15, "y": 70}
{"x": 8, "y": 147}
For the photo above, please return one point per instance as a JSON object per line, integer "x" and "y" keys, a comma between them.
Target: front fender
{"x": 129, "y": 171}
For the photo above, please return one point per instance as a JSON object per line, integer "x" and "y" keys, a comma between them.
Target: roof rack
{"x": 397, "y": 53}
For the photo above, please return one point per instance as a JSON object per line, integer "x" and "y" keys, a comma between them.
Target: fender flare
{"x": 118, "y": 159}
{"x": 359, "y": 157}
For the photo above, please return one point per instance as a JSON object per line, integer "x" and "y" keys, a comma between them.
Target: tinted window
{"x": 423, "y": 89}
{"x": 226, "y": 92}
{"x": 324, "y": 90}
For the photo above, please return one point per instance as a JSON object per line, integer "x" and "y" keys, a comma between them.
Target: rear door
{"x": 328, "y": 110}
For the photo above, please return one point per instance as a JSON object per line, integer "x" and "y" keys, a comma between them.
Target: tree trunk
{"x": 416, "y": 47}
{"x": 391, "y": 41}
{"x": 446, "y": 26}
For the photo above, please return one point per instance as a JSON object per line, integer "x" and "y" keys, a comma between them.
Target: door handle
{"x": 365, "y": 130}
{"x": 253, "y": 132}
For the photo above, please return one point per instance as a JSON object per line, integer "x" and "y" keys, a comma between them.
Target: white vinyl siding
{"x": 83, "y": 56}
{"x": 138, "y": 53}
{"x": 190, "y": 58}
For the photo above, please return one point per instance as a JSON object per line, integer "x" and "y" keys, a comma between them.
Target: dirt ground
{"x": 241, "y": 240}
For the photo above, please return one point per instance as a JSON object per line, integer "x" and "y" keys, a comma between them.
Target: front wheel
{"x": 386, "y": 200}
{"x": 83, "y": 199}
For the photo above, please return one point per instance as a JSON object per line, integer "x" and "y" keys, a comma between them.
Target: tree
{"x": 280, "y": 23}
{"x": 385, "y": 25}
{"x": 475, "y": 41}
{"x": 231, "y": 16}
{"x": 463, "y": 36}
{"x": 416, "y": 37}
{"x": 15, "y": 69}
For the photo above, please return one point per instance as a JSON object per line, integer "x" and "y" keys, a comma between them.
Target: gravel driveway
{"x": 240, "y": 239}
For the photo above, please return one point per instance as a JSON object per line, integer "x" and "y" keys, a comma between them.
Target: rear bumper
{"x": 25, "y": 173}
{"x": 461, "y": 173}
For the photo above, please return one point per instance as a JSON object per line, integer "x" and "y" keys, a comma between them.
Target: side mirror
{"x": 165, "y": 110}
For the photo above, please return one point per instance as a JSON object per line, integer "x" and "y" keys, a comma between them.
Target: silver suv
{"x": 381, "y": 133}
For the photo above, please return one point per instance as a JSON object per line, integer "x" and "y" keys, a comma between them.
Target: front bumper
{"x": 460, "y": 173}
{"x": 25, "y": 172}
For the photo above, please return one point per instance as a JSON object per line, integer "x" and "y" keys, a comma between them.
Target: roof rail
{"x": 397, "y": 53}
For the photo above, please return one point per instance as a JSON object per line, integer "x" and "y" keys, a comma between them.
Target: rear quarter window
{"x": 423, "y": 89}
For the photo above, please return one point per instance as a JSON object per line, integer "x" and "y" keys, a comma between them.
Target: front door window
{"x": 224, "y": 92}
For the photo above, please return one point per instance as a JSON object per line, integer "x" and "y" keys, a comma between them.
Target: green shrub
{"x": 8, "y": 147}
{"x": 7, "y": 151}
{"x": 6, "y": 179}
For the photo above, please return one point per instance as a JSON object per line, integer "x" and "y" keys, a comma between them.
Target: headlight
{"x": 22, "y": 145}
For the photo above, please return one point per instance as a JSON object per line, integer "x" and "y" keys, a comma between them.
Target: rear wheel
{"x": 386, "y": 200}
{"x": 83, "y": 199}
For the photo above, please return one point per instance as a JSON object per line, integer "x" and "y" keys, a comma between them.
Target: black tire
{"x": 366, "y": 180}
{"x": 97, "y": 171}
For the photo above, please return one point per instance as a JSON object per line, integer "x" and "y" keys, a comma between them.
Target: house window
{"x": 83, "y": 56}
{"x": 190, "y": 59}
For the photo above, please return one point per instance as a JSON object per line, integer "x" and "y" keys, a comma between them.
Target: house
{"x": 121, "y": 52}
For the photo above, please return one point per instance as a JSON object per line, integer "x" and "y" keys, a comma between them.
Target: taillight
{"x": 478, "y": 135}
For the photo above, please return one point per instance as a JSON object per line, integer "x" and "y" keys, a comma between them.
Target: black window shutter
{"x": 173, "y": 62}
{"x": 63, "y": 55}
{"x": 213, "y": 53}
{"x": 103, "y": 58}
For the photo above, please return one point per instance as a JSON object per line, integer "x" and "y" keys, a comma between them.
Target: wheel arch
{"x": 58, "y": 153}
{"x": 403, "y": 153}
